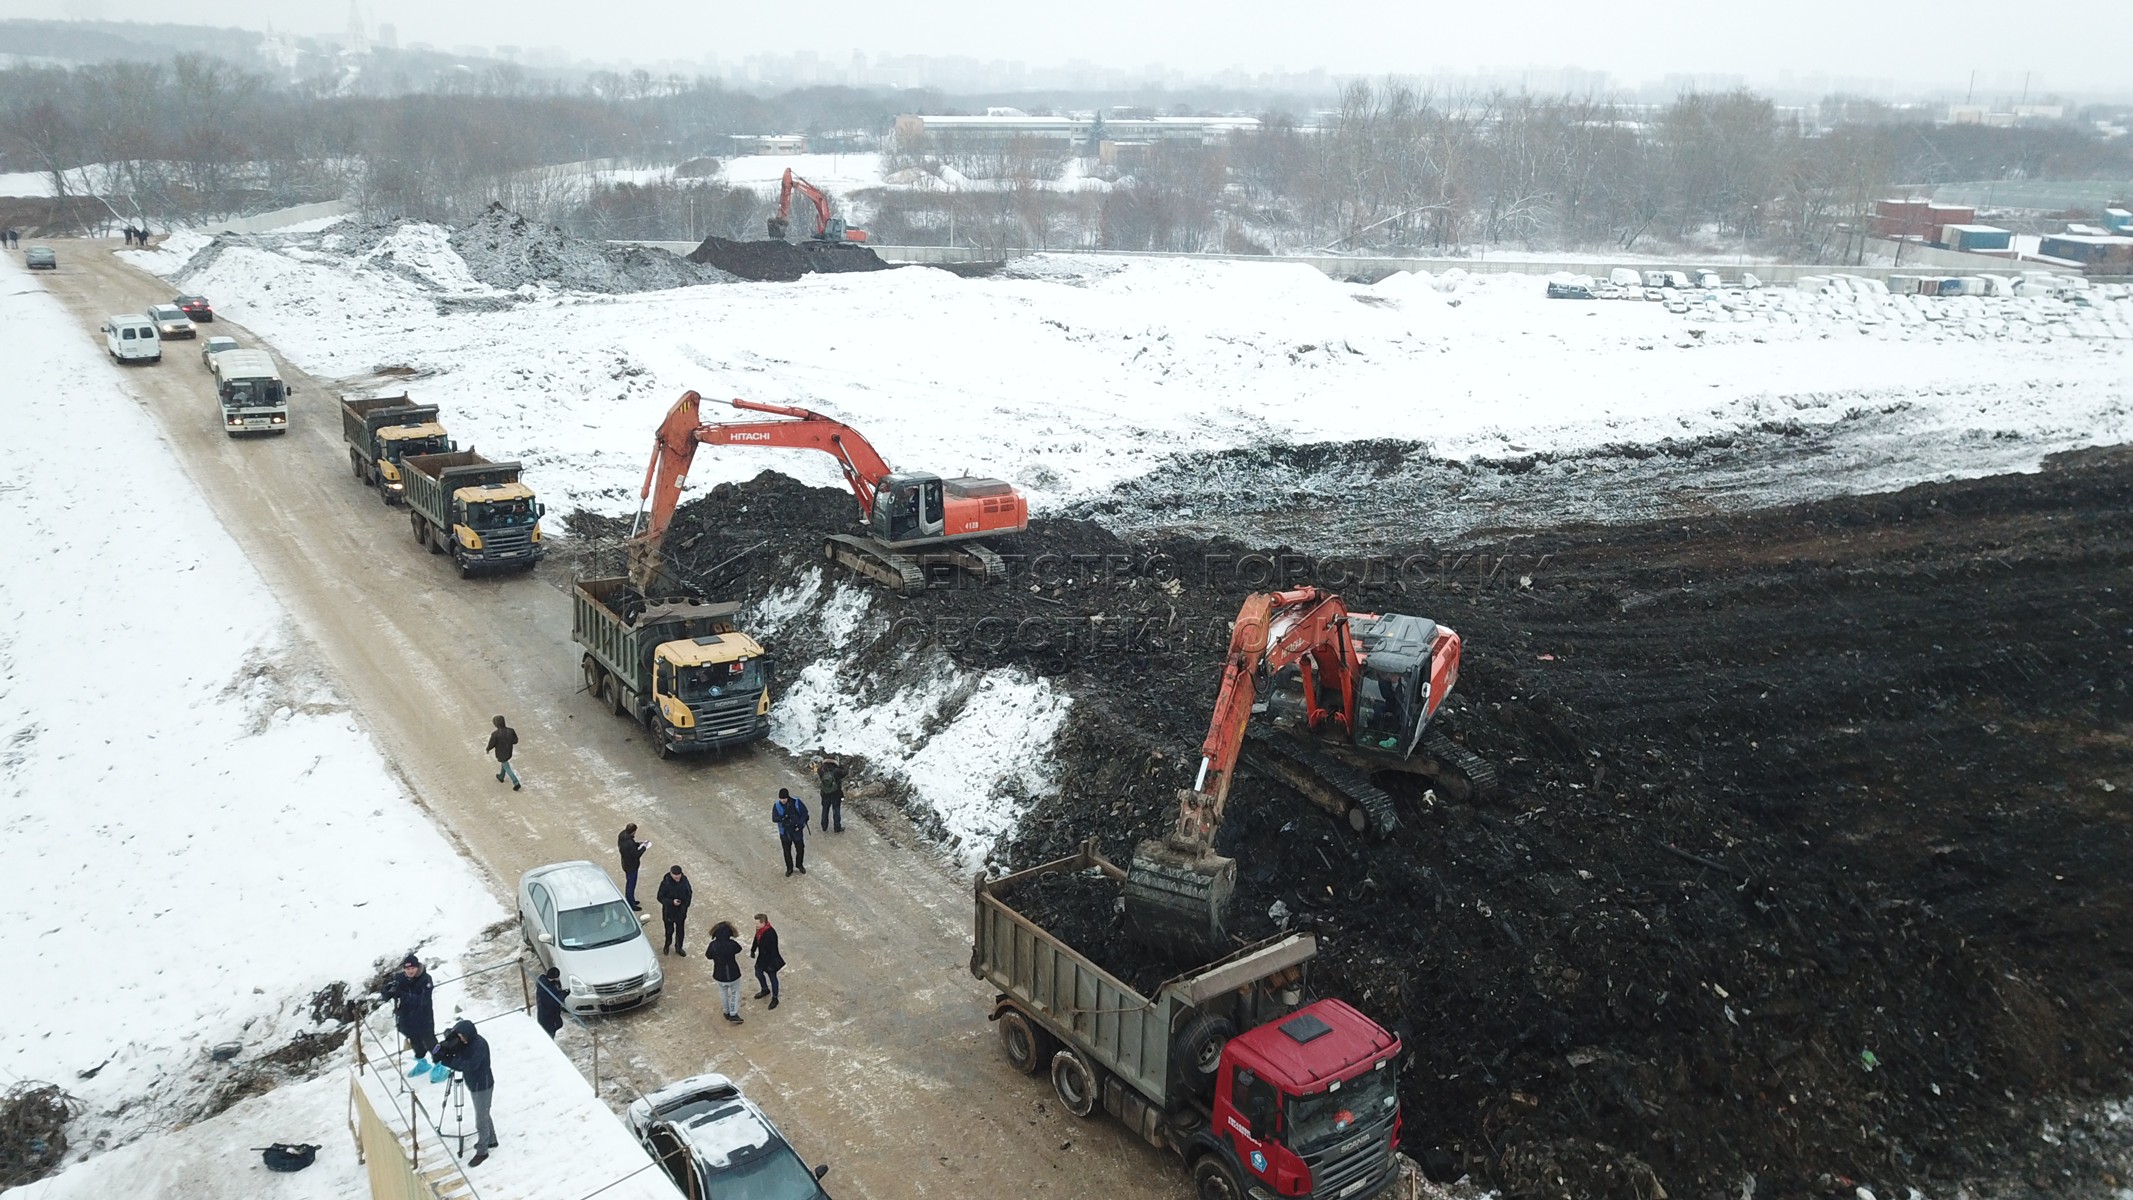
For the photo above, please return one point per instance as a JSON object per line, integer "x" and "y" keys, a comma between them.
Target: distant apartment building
{"x": 1085, "y": 135}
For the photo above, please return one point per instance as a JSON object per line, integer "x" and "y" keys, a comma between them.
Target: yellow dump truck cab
{"x": 497, "y": 522}
{"x": 397, "y": 442}
{"x": 711, "y": 691}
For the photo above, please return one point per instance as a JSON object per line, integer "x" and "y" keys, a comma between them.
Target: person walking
{"x": 789, "y": 814}
{"x": 414, "y": 1015}
{"x": 548, "y": 997}
{"x": 632, "y": 852}
{"x": 768, "y": 962}
{"x": 829, "y": 776}
{"x": 675, "y": 892}
{"x": 501, "y": 741}
{"x": 467, "y": 1052}
{"x": 725, "y": 955}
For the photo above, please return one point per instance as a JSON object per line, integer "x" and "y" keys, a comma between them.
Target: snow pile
{"x": 424, "y": 254}
{"x": 200, "y": 836}
{"x": 506, "y": 251}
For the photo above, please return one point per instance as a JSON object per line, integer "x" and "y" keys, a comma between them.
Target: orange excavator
{"x": 1361, "y": 689}
{"x": 829, "y": 230}
{"x": 914, "y": 522}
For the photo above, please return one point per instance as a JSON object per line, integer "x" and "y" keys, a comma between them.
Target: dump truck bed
{"x": 432, "y": 478}
{"x": 625, "y": 646}
{"x": 362, "y": 418}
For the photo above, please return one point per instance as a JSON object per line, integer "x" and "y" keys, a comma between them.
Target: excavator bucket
{"x": 1178, "y": 898}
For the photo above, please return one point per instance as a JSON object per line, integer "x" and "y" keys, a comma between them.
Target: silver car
{"x": 171, "y": 322}
{"x": 573, "y": 917}
{"x": 713, "y": 1141}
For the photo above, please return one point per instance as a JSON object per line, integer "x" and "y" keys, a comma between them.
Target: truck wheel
{"x": 595, "y": 677}
{"x": 355, "y": 466}
{"x": 1213, "y": 1180}
{"x": 414, "y": 522}
{"x": 614, "y": 697}
{"x": 1025, "y": 1043}
{"x": 1075, "y": 1081}
{"x": 1198, "y": 1051}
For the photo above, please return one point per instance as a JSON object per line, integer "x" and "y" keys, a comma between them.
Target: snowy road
{"x": 880, "y": 1061}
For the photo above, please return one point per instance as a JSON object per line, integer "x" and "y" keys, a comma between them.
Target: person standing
{"x": 725, "y": 955}
{"x": 501, "y": 741}
{"x": 789, "y": 814}
{"x": 829, "y": 776}
{"x": 632, "y": 852}
{"x": 467, "y": 1052}
{"x": 675, "y": 892}
{"x": 413, "y": 1013}
{"x": 548, "y": 997}
{"x": 768, "y": 962}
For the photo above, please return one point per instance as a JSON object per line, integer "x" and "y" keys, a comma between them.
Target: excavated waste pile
{"x": 1808, "y": 871}
{"x": 780, "y": 261}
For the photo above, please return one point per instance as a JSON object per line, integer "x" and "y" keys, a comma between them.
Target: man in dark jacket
{"x": 548, "y": 997}
{"x": 501, "y": 740}
{"x": 768, "y": 962}
{"x": 413, "y": 1013}
{"x": 467, "y": 1052}
{"x": 674, "y": 896}
{"x": 829, "y": 775}
{"x": 632, "y": 852}
{"x": 725, "y": 955}
{"x": 789, "y": 814}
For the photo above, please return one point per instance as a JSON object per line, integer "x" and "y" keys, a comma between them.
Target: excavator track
{"x": 1475, "y": 773}
{"x": 970, "y": 558}
{"x": 899, "y": 572}
{"x": 1326, "y": 781}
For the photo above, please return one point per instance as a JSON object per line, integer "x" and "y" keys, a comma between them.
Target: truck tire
{"x": 1198, "y": 1051}
{"x": 355, "y": 466}
{"x": 595, "y": 677}
{"x": 1025, "y": 1043}
{"x": 414, "y": 522}
{"x": 1212, "y": 1179}
{"x": 614, "y": 697}
{"x": 1076, "y": 1083}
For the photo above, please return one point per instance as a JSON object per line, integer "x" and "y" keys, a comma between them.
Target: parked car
{"x": 573, "y": 917}
{"x": 171, "y": 322}
{"x": 40, "y": 258}
{"x": 196, "y": 307}
{"x": 1654, "y": 294}
{"x": 713, "y": 1141}
{"x": 1568, "y": 291}
{"x": 214, "y": 346}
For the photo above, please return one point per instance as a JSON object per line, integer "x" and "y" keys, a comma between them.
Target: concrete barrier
{"x": 283, "y": 217}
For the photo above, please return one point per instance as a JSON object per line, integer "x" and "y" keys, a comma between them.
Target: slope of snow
{"x": 832, "y": 173}
{"x": 1080, "y": 373}
{"x": 199, "y": 834}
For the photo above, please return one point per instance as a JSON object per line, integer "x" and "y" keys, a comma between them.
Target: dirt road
{"x": 879, "y": 1061}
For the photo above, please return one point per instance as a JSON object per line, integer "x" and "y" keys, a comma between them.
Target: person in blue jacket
{"x": 467, "y": 1052}
{"x": 790, "y": 815}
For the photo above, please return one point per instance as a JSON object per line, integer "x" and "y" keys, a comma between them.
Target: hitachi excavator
{"x": 914, "y": 521}
{"x": 829, "y": 230}
{"x": 1362, "y": 691}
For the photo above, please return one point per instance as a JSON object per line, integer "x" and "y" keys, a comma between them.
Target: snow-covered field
{"x": 1076, "y": 374}
{"x": 199, "y": 836}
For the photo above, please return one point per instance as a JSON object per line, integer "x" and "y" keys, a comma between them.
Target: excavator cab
{"x": 1392, "y": 694}
{"x": 909, "y": 508}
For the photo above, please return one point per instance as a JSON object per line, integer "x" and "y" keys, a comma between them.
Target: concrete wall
{"x": 279, "y": 218}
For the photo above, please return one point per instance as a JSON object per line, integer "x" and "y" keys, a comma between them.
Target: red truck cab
{"x": 1309, "y": 1105}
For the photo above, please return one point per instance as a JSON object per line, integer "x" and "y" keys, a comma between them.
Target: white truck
{"x": 254, "y": 399}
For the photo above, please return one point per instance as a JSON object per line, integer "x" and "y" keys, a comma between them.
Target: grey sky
{"x": 1635, "y": 41}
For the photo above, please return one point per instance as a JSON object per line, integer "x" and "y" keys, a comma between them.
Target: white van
{"x": 132, "y": 338}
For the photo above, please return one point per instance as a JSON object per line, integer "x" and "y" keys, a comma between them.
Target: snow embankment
{"x": 200, "y": 836}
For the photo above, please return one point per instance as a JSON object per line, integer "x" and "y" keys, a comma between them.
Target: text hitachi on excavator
{"x": 914, "y": 522}
{"x": 1348, "y": 694}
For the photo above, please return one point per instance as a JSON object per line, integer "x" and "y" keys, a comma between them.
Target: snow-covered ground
{"x": 831, "y": 172}
{"x": 1079, "y": 373}
{"x": 199, "y": 836}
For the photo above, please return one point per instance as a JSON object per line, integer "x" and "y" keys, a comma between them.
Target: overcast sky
{"x": 1635, "y": 41}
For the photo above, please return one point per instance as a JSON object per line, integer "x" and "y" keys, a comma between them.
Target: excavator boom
{"x": 827, "y": 227}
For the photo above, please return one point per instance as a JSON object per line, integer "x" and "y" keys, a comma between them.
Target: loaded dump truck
{"x": 254, "y": 398}
{"x": 1259, "y": 1094}
{"x": 382, "y": 430}
{"x": 475, "y": 510}
{"x": 680, "y": 667}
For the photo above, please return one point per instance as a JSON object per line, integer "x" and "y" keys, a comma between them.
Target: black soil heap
{"x": 780, "y": 261}
{"x": 1811, "y": 857}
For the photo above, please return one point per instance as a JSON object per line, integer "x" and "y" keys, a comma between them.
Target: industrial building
{"x": 1084, "y": 133}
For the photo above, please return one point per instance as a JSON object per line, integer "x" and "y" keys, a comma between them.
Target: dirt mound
{"x": 1808, "y": 863}
{"x": 779, "y": 261}
{"x": 505, "y": 250}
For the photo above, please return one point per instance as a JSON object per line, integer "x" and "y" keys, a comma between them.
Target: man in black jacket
{"x": 632, "y": 852}
{"x": 502, "y": 740}
{"x": 829, "y": 776}
{"x": 789, "y": 814}
{"x": 413, "y": 1013}
{"x": 674, "y": 896}
{"x": 768, "y": 962}
{"x": 467, "y": 1052}
{"x": 548, "y": 997}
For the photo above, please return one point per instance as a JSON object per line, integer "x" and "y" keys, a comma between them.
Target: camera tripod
{"x": 455, "y": 1097}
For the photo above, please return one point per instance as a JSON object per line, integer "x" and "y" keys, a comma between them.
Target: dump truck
{"x": 1259, "y": 1093}
{"x": 382, "y": 430}
{"x": 475, "y": 510}
{"x": 253, "y": 397}
{"x": 680, "y": 667}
